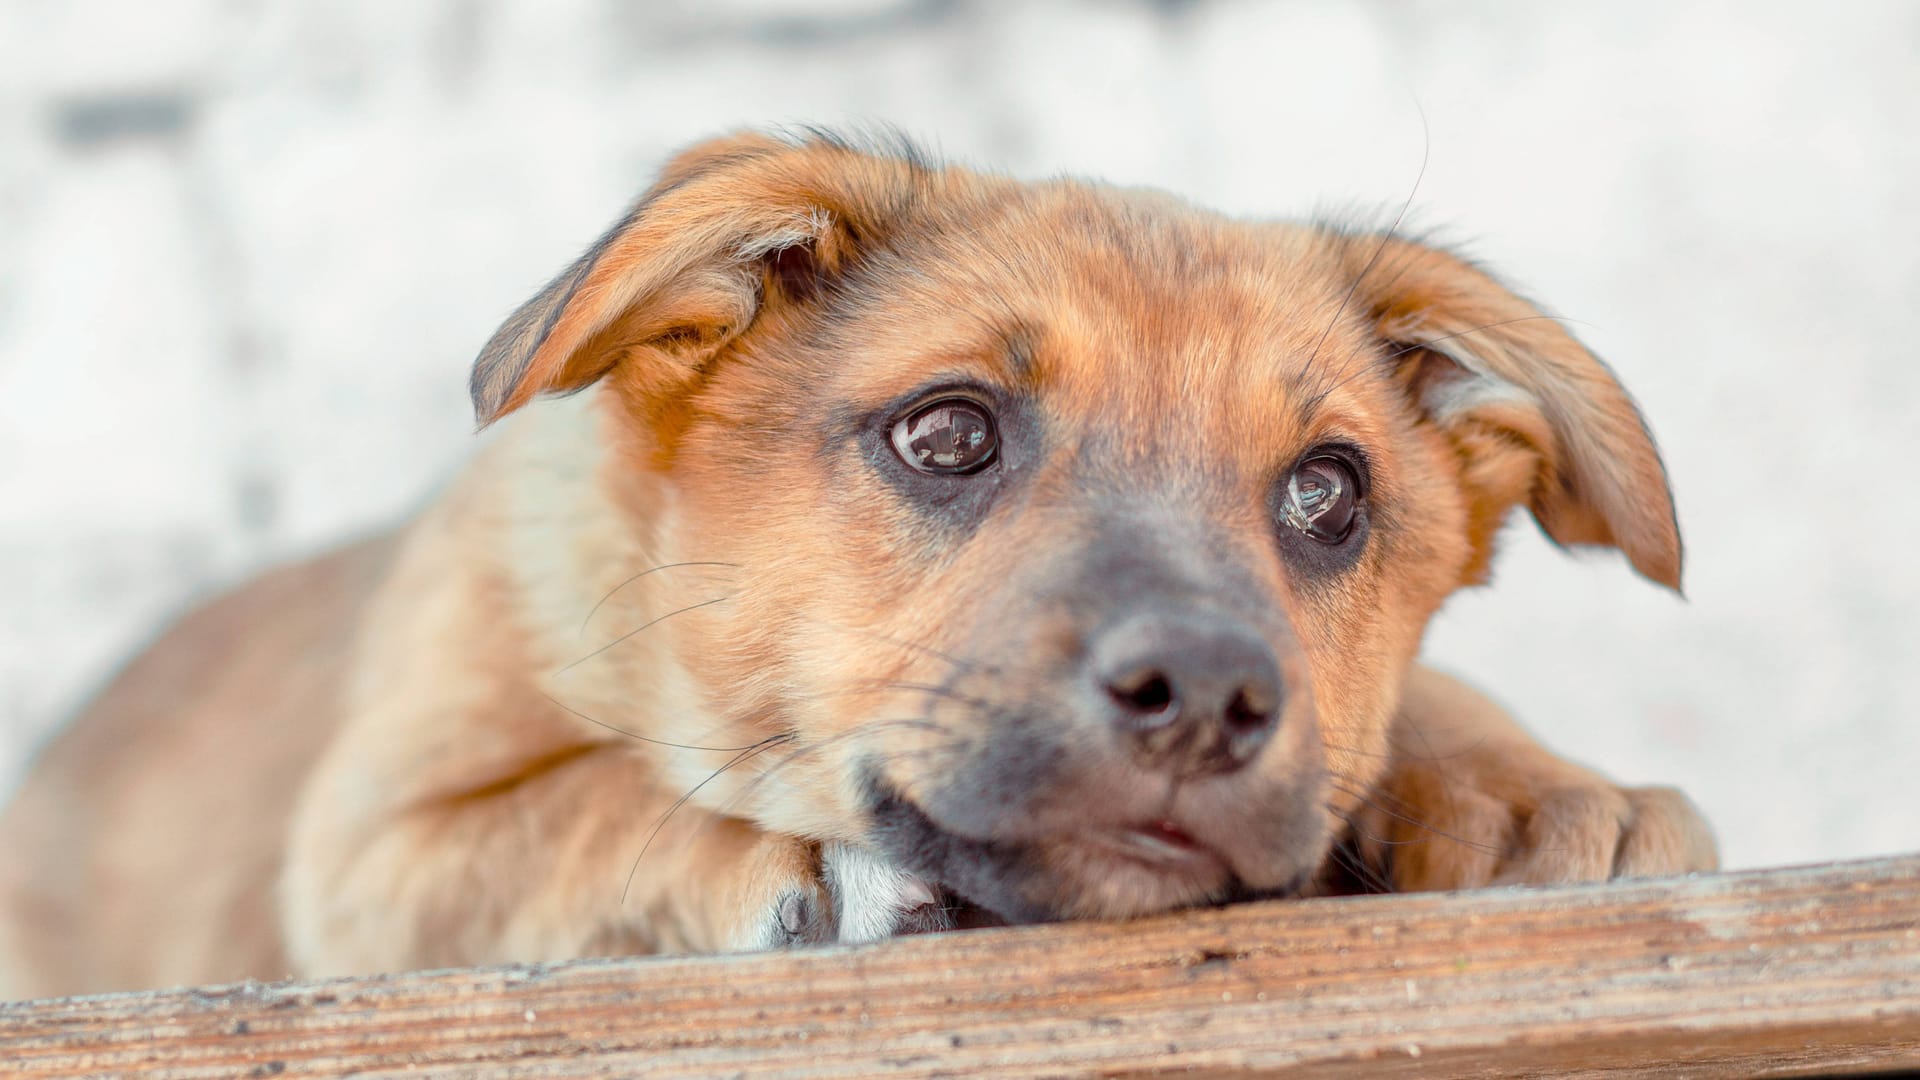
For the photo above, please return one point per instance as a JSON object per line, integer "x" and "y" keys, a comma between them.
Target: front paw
{"x": 1521, "y": 817}
{"x": 777, "y": 899}
{"x": 835, "y": 893}
{"x": 874, "y": 900}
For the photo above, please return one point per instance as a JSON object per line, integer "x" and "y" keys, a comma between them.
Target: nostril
{"x": 1188, "y": 691}
{"x": 1146, "y": 692}
{"x": 1248, "y": 712}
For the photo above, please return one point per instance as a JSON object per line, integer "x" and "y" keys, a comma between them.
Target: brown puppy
{"x": 922, "y": 534}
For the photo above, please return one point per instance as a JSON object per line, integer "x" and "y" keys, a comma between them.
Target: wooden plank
{"x": 1784, "y": 972}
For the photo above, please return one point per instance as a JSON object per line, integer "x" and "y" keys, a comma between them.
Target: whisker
{"x": 749, "y": 752}
{"x": 1419, "y": 824}
{"x": 723, "y": 811}
{"x": 1398, "y": 353}
{"x": 1453, "y": 809}
{"x": 642, "y": 626}
{"x": 1356, "y": 752}
{"x": 1356, "y": 864}
{"x": 637, "y": 577}
{"x": 1381, "y": 840}
{"x": 640, "y": 737}
{"x": 1430, "y": 755}
{"x": 869, "y": 728}
{"x": 1348, "y": 377}
{"x": 874, "y": 686}
{"x": 928, "y": 649}
{"x": 1426, "y": 150}
{"x": 946, "y": 692}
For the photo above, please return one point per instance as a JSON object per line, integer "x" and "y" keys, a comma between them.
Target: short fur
{"x": 691, "y": 661}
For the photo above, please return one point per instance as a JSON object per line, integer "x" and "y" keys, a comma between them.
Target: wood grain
{"x": 1783, "y": 972}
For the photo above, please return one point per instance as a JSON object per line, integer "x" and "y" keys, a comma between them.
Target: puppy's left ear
{"x": 1536, "y": 418}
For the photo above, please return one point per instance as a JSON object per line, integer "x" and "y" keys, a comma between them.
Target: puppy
{"x": 874, "y": 540}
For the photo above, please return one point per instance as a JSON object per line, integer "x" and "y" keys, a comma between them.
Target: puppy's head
{"x": 1083, "y": 537}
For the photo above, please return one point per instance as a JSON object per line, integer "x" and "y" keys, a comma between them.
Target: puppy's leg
{"x": 1469, "y": 799}
{"x": 566, "y": 862}
{"x": 559, "y": 859}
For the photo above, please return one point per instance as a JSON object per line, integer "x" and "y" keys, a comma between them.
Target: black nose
{"x": 1194, "y": 693}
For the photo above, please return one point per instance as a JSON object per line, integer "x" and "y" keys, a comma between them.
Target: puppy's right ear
{"x": 731, "y": 226}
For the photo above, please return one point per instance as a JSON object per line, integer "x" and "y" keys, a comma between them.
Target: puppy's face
{"x": 1082, "y": 538}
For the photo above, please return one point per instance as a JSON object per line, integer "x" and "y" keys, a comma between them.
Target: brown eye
{"x": 947, "y": 437}
{"x": 1320, "y": 500}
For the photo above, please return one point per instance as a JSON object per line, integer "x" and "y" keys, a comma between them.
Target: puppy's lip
{"x": 1161, "y": 865}
{"x": 1163, "y": 845}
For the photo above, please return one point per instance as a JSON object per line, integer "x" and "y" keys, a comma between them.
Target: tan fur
{"x": 466, "y": 743}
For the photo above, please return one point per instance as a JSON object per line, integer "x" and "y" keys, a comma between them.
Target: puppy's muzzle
{"x": 1190, "y": 693}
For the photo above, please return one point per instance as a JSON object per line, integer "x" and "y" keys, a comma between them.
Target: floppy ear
{"x": 1535, "y": 417}
{"x": 691, "y": 265}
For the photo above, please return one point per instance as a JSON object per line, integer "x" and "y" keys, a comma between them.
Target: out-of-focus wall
{"x": 247, "y": 249}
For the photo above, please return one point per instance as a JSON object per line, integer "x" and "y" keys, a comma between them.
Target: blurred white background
{"x": 247, "y": 250}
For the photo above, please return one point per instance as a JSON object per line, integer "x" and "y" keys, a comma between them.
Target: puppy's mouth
{"x": 1102, "y": 870}
{"x": 1161, "y": 844}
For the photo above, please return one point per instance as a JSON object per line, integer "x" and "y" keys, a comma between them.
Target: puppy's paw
{"x": 874, "y": 900}
{"x": 1603, "y": 832}
{"x": 1518, "y": 816}
{"x": 799, "y": 894}
{"x": 780, "y": 900}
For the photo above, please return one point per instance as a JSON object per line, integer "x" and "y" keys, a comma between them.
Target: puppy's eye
{"x": 1321, "y": 497}
{"x": 949, "y": 437}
